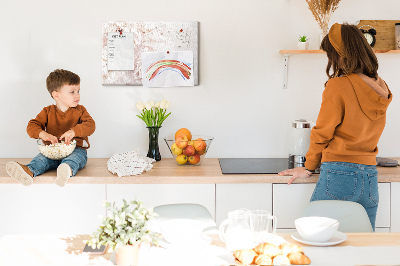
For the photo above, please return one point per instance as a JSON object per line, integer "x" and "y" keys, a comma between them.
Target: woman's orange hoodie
{"x": 350, "y": 122}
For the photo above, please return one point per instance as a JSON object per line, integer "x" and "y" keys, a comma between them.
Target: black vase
{"x": 153, "y": 152}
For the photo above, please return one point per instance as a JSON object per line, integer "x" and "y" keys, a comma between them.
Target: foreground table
{"x": 382, "y": 248}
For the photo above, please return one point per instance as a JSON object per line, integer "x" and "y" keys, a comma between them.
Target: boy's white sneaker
{"x": 64, "y": 172}
{"x": 20, "y": 172}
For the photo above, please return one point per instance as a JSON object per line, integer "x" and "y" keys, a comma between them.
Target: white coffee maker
{"x": 299, "y": 142}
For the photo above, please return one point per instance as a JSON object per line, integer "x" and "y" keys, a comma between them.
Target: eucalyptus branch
{"x": 125, "y": 226}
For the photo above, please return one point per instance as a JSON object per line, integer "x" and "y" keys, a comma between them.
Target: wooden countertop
{"x": 167, "y": 171}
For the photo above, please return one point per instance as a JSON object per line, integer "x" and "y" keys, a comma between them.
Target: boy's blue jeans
{"x": 351, "y": 182}
{"x": 76, "y": 160}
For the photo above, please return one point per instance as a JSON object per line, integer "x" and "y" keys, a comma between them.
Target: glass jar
{"x": 397, "y": 35}
{"x": 299, "y": 142}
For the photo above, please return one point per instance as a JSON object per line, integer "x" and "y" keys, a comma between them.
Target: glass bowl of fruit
{"x": 188, "y": 151}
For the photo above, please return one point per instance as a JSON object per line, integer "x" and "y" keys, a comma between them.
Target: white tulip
{"x": 140, "y": 107}
{"x": 157, "y": 104}
{"x": 162, "y": 104}
{"x": 148, "y": 106}
{"x": 167, "y": 105}
{"x": 152, "y": 103}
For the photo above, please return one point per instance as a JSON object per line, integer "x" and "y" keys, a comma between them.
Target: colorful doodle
{"x": 162, "y": 65}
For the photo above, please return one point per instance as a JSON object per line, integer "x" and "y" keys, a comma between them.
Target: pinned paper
{"x": 120, "y": 51}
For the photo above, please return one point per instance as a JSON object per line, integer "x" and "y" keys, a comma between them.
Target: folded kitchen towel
{"x": 129, "y": 163}
{"x": 386, "y": 162}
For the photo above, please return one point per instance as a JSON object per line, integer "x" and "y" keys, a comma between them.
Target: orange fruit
{"x": 184, "y": 131}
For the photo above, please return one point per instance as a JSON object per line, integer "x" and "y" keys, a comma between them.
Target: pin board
{"x": 153, "y": 54}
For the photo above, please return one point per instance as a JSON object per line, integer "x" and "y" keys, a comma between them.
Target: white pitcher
{"x": 236, "y": 231}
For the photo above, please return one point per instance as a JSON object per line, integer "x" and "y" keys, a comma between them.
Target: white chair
{"x": 186, "y": 211}
{"x": 351, "y": 215}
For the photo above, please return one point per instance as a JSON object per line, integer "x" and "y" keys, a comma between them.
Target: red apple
{"x": 189, "y": 150}
{"x": 201, "y": 152}
{"x": 195, "y": 159}
{"x": 199, "y": 144}
{"x": 181, "y": 141}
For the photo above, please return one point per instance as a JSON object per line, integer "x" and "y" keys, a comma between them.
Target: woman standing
{"x": 350, "y": 122}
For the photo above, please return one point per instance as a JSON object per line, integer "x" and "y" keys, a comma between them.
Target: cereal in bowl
{"x": 57, "y": 151}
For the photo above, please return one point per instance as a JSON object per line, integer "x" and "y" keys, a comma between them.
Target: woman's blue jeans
{"x": 351, "y": 182}
{"x": 76, "y": 160}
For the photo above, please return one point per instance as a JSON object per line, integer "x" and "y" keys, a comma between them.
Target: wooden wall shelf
{"x": 287, "y": 53}
{"x": 322, "y": 52}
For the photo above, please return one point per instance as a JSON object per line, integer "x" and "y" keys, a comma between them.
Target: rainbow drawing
{"x": 163, "y": 65}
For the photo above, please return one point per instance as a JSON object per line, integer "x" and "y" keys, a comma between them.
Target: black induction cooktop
{"x": 253, "y": 165}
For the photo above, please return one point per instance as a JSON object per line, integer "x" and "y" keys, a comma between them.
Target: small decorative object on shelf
{"x": 124, "y": 229}
{"x": 153, "y": 114}
{"x": 369, "y": 34}
{"x": 303, "y": 42}
{"x": 397, "y": 35}
{"x": 322, "y": 11}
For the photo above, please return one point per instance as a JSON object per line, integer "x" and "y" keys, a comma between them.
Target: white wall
{"x": 239, "y": 100}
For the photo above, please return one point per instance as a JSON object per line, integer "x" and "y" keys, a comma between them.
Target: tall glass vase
{"x": 153, "y": 152}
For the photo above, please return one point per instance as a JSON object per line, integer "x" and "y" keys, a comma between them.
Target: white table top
{"x": 359, "y": 249}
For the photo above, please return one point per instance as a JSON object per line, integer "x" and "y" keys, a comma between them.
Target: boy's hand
{"x": 48, "y": 137}
{"x": 67, "y": 136}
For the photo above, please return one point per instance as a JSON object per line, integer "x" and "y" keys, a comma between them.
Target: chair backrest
{"x": 351, "y": 215}
{"x": 186, "y": 211}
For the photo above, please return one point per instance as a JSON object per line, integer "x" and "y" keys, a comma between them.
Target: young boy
{"x": 66, "y": 120}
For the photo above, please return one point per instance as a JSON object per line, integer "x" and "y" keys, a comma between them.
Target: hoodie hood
{"x": 373, "y": 95}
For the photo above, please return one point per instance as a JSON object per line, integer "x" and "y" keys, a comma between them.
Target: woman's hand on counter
{"x": 297, "y": 172}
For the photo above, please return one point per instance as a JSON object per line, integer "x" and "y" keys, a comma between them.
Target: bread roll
{"x": 263, "y": 260}
{"x": 245, "y": 256}
{"x": 298, "y": 258}
{"x": 281, "y": 260}
{"x": 268, "y": 249}
{"x": 290, "y": 248}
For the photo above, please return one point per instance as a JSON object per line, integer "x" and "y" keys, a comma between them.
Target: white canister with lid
{"x": 299, "y": 141}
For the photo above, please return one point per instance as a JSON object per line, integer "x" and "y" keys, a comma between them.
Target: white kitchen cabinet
{"x": 395, "y": 208}
{"x": 159, "y": 194}
{"x": 49, "y": 209}
{"x": 383, "y": 213}
{"x": 231, "y": 197}
{"x": 289, "y": 202}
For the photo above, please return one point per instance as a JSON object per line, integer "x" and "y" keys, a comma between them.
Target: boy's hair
{"x": 60, "y": 77}
{"x": 359, "y": 56}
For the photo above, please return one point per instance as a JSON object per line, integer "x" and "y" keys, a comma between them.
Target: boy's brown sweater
{"x": 350, "y": 122}
{"x": 56, "y": 123}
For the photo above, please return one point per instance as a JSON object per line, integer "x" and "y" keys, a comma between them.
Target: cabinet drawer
{"x": 231, "y": 197}
{"x": 47, "y": 209}
{"x": 395, "y": 193}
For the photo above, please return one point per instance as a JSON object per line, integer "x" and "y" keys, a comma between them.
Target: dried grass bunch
{"x": 322, "y": 11}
